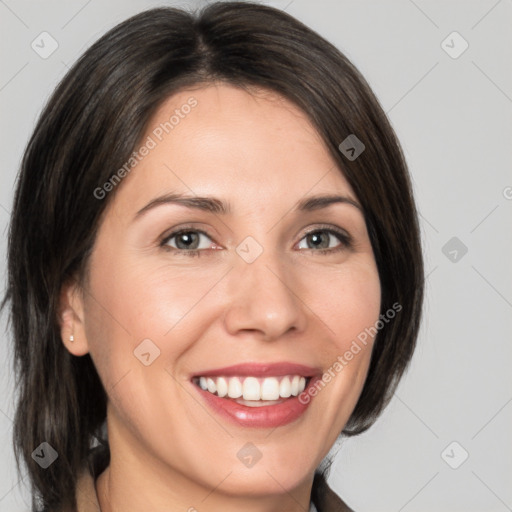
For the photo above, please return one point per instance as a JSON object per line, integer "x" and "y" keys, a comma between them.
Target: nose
{"x": 263, "y": 299}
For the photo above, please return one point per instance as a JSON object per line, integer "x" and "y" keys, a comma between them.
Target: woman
{"x": 214, "y": 268}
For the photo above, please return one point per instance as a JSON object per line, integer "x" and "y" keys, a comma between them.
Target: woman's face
{"x": 258, "y": 277}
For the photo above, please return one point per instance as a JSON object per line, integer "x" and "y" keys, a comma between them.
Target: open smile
{"x": 257, "y": 395}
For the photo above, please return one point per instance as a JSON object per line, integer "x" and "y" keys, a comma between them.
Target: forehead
{"x": 225, "y": 141}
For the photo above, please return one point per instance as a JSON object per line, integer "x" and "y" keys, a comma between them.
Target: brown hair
{"x": 89, "y": 128}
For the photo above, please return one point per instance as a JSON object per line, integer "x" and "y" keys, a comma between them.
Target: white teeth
{"x": 270, "y": 389}
{"x": 222, "y": 387}
{"x": 295, "y": 385}
{"x": 212, "y": 388}
{"x": 234, "y": 388}
{"x": 285, "y": 388}
{"x": 253, "y": 388}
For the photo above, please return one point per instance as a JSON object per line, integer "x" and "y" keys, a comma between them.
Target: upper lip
{"x": 261, "y": 370}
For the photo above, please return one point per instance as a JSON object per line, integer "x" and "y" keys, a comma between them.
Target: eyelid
{"x": 330, "y": 228}
{"x": 344, "y": 237}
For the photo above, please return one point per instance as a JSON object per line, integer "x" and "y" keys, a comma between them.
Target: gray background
{"x": 453, "y": 117}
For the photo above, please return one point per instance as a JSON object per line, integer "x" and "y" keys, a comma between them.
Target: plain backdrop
{"x": 444, "y": 442}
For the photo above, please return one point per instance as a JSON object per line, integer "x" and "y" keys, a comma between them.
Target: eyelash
{"x": 345, "y": 239}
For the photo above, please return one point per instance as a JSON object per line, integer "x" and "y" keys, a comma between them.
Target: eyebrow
{"x": 216, "y": 206}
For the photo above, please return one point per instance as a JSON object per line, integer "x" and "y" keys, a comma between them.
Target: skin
{"x": 258, "y": 152}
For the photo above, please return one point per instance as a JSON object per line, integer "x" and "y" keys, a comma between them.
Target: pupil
{"x": 316, "y": 239}
{"x": 188, "y": 238}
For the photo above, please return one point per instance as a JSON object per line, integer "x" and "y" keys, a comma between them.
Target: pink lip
{"x": 267, "y": 416}
{"x": 261, "y": 370}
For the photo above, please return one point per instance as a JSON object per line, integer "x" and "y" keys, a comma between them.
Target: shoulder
{"x": 324, "y": 498}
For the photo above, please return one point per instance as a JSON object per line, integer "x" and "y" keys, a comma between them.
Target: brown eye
{"x": 187, "y": 240}
{"x": 325, "y": 240}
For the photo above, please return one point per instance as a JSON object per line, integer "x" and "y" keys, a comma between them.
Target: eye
{"x": 323, "y": 240}
{"x": 193, "y": 242}
{"x": 187, "y": 240}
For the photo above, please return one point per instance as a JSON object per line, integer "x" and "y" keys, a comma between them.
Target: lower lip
{"x": 266, "y": 416}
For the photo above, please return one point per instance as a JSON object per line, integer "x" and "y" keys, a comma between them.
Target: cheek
{"x": 349, "y": 305}
{"x": 130, "y": 303}
{"x": 347, "y": 300}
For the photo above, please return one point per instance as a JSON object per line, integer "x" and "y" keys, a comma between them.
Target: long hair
{"x": 89, "y": 128}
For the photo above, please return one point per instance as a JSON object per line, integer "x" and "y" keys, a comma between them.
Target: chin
{"x": 263, "y": 481}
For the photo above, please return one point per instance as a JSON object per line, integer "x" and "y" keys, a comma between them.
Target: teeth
{"x": 222, "y": 387}
{"x": 270, "y": 389}
{"x": 212, "y": 388}
{"x": 295, "y": 385}
{"x": 285, "y": 388}
{"x": 234, "y": 388}
{"x": 253, "y": 388}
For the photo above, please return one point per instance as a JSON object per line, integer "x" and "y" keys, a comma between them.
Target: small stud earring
{"x": 71, "y": 338}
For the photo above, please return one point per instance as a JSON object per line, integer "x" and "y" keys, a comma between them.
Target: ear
{"x": 71, "y": 318}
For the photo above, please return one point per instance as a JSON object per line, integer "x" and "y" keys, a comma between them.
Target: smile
{"x": 257, "y": 395}
{"x": 253, "y": 388}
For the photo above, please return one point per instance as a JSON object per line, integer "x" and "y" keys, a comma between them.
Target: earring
{"x": 71, "y": 338}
